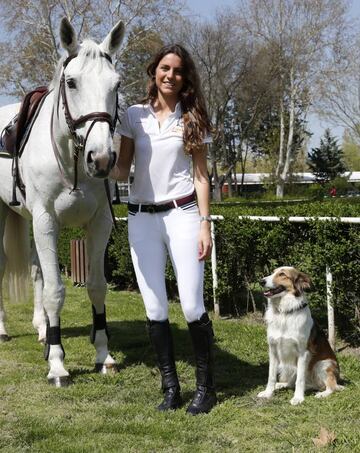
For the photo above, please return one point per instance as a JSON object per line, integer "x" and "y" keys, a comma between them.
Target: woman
{"x": 164, "y": 134}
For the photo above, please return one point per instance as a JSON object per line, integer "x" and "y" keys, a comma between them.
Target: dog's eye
{"x": 282, "y": 274}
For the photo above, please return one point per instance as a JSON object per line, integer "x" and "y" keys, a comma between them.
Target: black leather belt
{"x": 152, "y": 208}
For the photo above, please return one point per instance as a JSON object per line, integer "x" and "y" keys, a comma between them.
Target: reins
{"x": 78, "y": 140}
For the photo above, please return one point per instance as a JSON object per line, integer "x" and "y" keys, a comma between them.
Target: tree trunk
{"x": 229, "y": 181}
{"x": 280, "y": 165}
{"x": 289, "y": 146}
{"x": 217, "y": 195}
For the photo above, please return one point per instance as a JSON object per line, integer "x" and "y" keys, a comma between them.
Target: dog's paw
{"x": 281, "y": 385}
{"x": 323, "y": 394}
{"x": 296, "y": 400}
{"x": 265, "y": 394}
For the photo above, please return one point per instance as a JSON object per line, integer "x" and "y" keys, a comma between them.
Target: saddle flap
{"x": 13, "y": 134}
{"x": 27, "y": 111}
{"x": 8, "y": 138}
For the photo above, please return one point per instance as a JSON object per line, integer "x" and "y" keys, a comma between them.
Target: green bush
{"x": 247, "y": 250}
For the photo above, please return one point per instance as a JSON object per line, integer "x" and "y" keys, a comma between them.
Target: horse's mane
{"x": 89, "y": 54}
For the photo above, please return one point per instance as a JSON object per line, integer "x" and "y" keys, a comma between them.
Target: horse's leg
{"x": 98, "y": 232}
{"x": 3, "y": 213}
{"x": 39, "y": 318}
{"x": 45, "y": 234}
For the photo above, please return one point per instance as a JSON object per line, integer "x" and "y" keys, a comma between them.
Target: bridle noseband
{"x": 78, "y": 140}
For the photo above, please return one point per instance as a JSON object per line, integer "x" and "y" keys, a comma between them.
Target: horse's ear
{"x": 114, "y": 39}
{"x": 68, "y": 36}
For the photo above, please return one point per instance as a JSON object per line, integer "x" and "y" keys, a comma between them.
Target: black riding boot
{"x": 161, "y": 340}
{"x": 202, "y": 337}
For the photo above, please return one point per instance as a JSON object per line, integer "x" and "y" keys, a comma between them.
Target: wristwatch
{"x": 205, "y": 218}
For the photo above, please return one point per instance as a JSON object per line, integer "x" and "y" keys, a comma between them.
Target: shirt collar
{"x": 177, "y": 113}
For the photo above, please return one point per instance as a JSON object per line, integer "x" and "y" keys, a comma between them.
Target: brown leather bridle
{"x": 78, "y": 140}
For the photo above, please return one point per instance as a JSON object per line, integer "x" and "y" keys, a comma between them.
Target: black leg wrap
{"x": 202, "y": 336}
{"x": 53, "y": 336}
{"x": 99, "y": 323}
{"x": 162, "y": 342}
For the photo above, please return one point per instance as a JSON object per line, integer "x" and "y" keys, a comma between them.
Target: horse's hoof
{"x": 106, "y": 368}
{"x": 4, "y": 338}
{"x": 60, "y": 381}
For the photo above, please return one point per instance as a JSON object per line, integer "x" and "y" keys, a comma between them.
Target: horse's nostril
{"x": 90, "y": 158}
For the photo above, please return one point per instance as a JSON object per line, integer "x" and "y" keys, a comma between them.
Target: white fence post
{"x": 330, "y": 307}
{"x": 214, "y": 265}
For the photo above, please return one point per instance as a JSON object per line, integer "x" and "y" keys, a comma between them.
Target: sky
{"x": 207, "y": 9}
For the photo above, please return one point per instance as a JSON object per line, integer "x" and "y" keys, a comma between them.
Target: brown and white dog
{"x": 299, "y": 352}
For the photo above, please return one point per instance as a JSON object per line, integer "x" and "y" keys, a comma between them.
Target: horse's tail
{"x": 17, "y": 250}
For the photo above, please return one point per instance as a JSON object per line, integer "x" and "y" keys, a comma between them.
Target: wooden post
{"x": 79, "y": 261}
{"x": 330, "y": 308}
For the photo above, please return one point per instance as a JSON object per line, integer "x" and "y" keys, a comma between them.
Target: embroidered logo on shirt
{"x": 177, "y": 130}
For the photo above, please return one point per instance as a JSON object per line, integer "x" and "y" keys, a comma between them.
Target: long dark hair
{"x": 196, "y": 119}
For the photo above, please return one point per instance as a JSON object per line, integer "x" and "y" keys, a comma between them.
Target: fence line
{"x": 329, "y": 277}
{"x": 297, "y": 219}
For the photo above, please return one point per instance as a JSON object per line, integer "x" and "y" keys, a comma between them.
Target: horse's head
{"x": 88, "y": 88}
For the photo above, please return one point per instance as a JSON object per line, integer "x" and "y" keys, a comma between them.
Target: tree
{"x": 351, "y": 150}
{"x": 326, "y": 161}
{"x": 31, "y": 48}
{"x": 234, "y": 76}
{"x": 222, "y": 57}
{"x": 134, "y": 60}
{"x": 338, "y": 91}
{"x": 299, "y": 34}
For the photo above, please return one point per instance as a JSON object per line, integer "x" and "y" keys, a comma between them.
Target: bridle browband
{"x": 78, "y": 140}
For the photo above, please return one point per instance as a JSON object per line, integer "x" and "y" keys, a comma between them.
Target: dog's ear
{"x": 302, "y": 283}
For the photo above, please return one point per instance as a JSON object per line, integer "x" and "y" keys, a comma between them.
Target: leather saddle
{"x": 15, "y": 134}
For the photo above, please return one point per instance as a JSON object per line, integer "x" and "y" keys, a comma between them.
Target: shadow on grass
{"x": 234, "y": 376}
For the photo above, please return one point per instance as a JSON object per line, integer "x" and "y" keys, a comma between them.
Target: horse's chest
{"x": 75, "y": 209}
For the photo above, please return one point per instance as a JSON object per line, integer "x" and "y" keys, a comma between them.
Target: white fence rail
{"x": 328, "y": 276}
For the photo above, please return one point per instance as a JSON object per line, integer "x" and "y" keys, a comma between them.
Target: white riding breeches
{"x": 152, "y": 237}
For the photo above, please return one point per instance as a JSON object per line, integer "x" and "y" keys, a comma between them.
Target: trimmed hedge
{"x": 247, "y": 250}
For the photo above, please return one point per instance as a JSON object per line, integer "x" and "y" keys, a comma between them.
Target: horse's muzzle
{"x": 99, "y": 166}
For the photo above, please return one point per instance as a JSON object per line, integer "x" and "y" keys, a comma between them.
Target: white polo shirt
{"x": 162, "y": 169}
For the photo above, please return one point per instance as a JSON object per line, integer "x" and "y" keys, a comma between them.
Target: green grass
{"x": 117, "y": 413}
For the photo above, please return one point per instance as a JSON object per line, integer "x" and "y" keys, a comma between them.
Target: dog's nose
{"x": 263, "y": 282}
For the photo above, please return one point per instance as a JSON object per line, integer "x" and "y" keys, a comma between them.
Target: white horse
{"x": 78, "y": 116}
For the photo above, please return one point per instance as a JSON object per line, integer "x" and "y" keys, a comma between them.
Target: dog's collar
{"x": 300, "y": 307}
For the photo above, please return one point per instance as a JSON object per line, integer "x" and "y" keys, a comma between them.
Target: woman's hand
{"x": 121, "y": 169}
{"x": 205, "y": 241}
{"x": 115, "y": 173}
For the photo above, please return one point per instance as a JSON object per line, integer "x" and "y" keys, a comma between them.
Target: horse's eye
{"x": 71, "y": 83}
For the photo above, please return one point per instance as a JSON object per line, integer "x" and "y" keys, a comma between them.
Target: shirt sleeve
{"x": 125, "y": 126}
